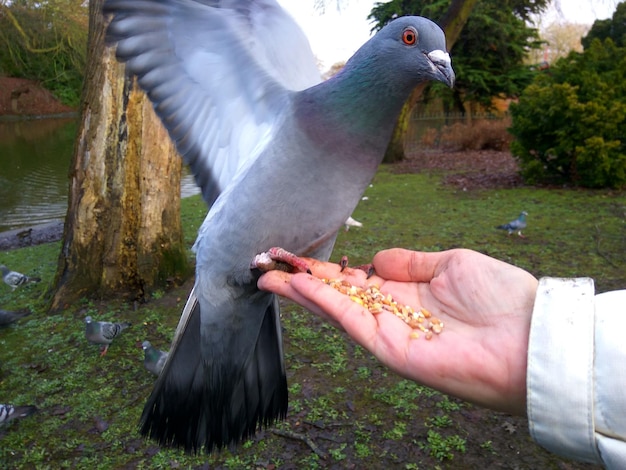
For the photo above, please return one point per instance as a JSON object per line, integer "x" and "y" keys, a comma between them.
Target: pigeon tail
{"x": 7, "y": 317}
{"x": 208, "y": 405}
{"x": 506, "y": 227}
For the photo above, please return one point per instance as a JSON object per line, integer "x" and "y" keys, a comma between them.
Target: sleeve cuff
{"x": 560, "y": 368}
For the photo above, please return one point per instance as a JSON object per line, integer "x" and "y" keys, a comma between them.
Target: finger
{"x": 324, "y": 269}
{"x": 275, "y": 281}
{"x": 326, "y": 301}
{"x": 406, "y": 265}
{"x": 279, "y": 282}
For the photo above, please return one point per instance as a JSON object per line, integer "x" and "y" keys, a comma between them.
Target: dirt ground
{"x": 474, "y": 169}
{"x": 21, "y": 97}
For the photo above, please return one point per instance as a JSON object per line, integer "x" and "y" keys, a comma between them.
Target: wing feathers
{"x": 213, "y": 69}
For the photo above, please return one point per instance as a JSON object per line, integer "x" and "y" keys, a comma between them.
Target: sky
{"x": 335, "y": 35}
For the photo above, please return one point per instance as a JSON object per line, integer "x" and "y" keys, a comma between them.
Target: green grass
{"x": 349, "y": 405}
{"x": 570, "y": 232}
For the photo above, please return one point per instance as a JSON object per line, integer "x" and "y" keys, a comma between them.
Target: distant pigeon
{"x": 516, "y": 225}
{"x": 10, "y": 413}
{"x": 282, "y": 158}
{"x": 15, "y": 279}
{"x": 350, "y": 222}
{"x": 103, "y": 332}
{"x": 154, "y": 359}
{"x": 7, "y": 317}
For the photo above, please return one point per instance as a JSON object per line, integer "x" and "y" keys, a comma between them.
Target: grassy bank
{"x": 345, "y": 409}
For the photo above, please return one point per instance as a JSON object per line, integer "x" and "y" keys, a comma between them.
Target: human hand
{"x": 485, "y": 305}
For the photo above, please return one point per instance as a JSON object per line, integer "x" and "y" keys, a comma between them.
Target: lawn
{"x": 346, "y": 410}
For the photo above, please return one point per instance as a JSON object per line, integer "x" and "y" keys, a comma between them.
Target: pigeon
{"x": 15, "y": 279}
{"x": 7, "y": 317}
{"x": 103, "y": 332}
{"x": 154, "y": 359}
{"x": 352, "y": 223}
{"x": 282, "y": 159}
{"x": 516, "y": 225}
{"x": 10, "y": 413}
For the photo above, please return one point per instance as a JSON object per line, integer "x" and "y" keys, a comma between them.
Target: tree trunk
{"x": 452, "y": 24}
{"x": 122, "y": 232}
{"x": 455, "y": 18}
{"x": 395, "y": 149}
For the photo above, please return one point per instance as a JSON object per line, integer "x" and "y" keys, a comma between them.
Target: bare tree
{"x": 123, "y": 233}
{"x": 561, "y": 39}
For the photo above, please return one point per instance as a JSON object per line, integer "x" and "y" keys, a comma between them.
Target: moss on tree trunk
{"x": 122, "y": 235}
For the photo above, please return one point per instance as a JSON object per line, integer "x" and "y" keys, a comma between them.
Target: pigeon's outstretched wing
{"x": 216, "y": 72}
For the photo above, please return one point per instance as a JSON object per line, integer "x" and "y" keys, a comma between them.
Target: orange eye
{"x": 409, "y": 36}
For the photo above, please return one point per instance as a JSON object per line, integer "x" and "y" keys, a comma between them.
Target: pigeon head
{"x": 418, "y": 47}
{"x": 413, "y": 48}
{"x": 145, "y": 345}
{"x": 364, "y": 99}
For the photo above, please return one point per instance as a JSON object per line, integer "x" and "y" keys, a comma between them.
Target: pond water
{"x": 35, "y": 157}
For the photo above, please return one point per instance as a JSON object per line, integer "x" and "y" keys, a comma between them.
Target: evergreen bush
{"x": 570, "y": 123}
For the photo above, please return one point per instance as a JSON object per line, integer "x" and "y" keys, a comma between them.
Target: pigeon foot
{"x": 277, "y": 258}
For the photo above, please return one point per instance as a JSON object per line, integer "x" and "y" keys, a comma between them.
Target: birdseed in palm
{"x": 376, "y": 302}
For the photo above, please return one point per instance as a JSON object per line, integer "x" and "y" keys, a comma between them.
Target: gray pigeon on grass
{"x": 516, "y": 225}
{"x": 154, "y": 359}
{"x": 7, "y": 317}
{"x": 10, "y": 413}
{"x": 15, "y": 279}
{"x": 103, "y": 332}
{"x": 282, "y": 160}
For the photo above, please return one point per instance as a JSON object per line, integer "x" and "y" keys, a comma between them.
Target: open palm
{"x": 485, "y": 305}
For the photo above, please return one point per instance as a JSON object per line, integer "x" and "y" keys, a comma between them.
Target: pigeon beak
{"x": 442, "y": 66}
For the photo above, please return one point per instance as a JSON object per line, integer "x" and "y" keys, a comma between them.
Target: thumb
{"x": 398, "y": 264}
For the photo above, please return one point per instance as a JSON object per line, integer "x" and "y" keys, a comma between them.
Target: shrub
{"x": 569, "y": 124}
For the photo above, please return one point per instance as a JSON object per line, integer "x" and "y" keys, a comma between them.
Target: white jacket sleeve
{"x": 576, "y": 377}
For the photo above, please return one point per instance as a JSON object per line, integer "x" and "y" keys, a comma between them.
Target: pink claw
{"x": 279, "y": 258}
